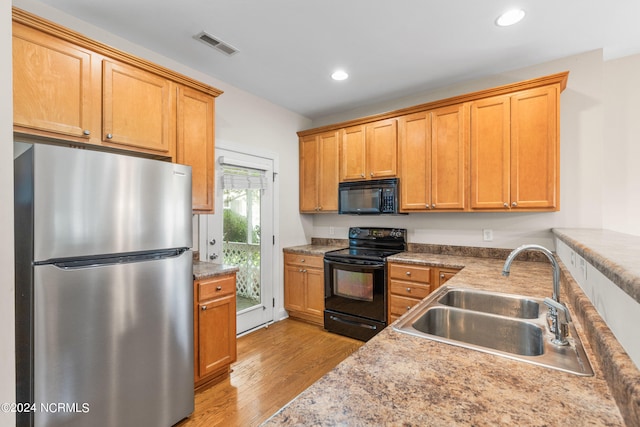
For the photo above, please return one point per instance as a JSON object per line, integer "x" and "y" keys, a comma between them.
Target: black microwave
{"x": 375, "y": 197}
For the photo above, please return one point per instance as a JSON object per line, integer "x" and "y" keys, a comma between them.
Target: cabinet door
{"x": 216, "y": 334}
{"x": 309, "y": 172}
{"x": 490, "y": 153}
{"x": 195, "y": 144}
{"x": 328, "y": 173}
{"x": 294, "y": 293}
{"x": 51, "y": 85}
{"x": 381, "y": 148}
{"x": 535, "y": 148}
{"x": 138, "y": 109}
{"x": 414, "y": 146}
{"x": 353, "y": 154}
{"x": 448, "y": 158}
{"x": 315, "y": 292}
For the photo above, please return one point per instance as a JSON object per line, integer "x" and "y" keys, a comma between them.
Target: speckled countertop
{"x": 399, "y": 380}
{"x": 313, "y": 249}
{"x": 614, "y": 254}
{"x": 203, "y": 270}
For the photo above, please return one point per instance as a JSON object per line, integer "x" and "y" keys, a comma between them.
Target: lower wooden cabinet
{"x": 411, "y": 283}
{"x": 304, "y": 287}
{"x": 214, "y": 335}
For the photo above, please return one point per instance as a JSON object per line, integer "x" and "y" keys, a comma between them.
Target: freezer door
{"x": 88, "y": 203}
{"x": 114, "y": 344}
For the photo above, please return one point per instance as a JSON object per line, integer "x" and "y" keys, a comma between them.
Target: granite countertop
{"x": 399, "y": 379}
{"x": 313, "y": 249}
{"x": 614, "y": 254}
{"x": 203, "y": 269}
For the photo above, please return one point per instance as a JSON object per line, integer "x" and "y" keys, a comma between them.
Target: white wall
{"x": 580, "y": 166}
{"x": 621, "y": 195}
{"x": 7, "y": 348}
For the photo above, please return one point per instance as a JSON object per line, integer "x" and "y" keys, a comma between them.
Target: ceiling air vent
{"x": 216, "y": 43}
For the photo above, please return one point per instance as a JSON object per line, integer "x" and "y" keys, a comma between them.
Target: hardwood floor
{"x": 274, "y": 365}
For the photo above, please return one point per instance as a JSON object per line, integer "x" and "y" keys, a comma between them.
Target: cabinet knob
{"x": 514, "y": 204}
{"x": 301, "y": 259}
{"x": 427, "y": 206}
{"x": 408, "y": 273}
{"x": 372, "y": 174}
{"x": 505, "y": 204}
{"x": 361, "y": 175}
{"x": 203, "y": 308}
{"x": 218, "y": 288}
{"x": 442, "y": 275}
{"x": 304, "y": 271}
{"x": 319, "y": 208}
{"x": 408, "y": 307}
{"x": 86, "y": 132}
{"x": 109, "y": 136}
{"x": 433, "y": 206}
{"x": 409, "y": 290}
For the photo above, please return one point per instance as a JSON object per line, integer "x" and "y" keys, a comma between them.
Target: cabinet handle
{"x": 408, "y": 307}
{"x": 409, "y": 290}
{"x": 427, "y": 206}
{"x": 442, "y": 275}
{"x": 86, "y": 132}
{"x": 514, "y": 204}
{"x": 218, "y": 288}
{"x": 109, "y": 136}
{"x": 203, "y": 308}
{"x": 361, "y": 175}
{"x": 433, "y": 206}
{"x": 302, "y": 260}
{"x": 304, "y": 271}
{"x": 371, "y": 174}
{"x": 408, "y": 273}
{"x": 319, "y": 208}
{"x": 505, "y": 204}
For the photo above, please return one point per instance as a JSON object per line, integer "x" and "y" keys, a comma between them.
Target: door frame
{"x": 277, "y": 289}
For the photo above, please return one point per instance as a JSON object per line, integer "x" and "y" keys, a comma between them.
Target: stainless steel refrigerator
{"x": 104, "y": 294}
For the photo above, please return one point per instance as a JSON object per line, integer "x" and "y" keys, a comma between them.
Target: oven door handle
{"x": 372, "y": 264}
{"x": 349, "y": 322}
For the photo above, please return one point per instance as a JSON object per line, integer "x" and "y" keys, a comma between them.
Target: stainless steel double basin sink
{"x": 506, "y": 325}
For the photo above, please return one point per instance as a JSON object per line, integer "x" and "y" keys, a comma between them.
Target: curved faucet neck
{"x": 549, "y": 255}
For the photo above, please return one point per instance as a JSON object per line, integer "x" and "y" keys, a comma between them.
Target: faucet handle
{"x": 558, "y": 319}
{"x": 559, "y": 307}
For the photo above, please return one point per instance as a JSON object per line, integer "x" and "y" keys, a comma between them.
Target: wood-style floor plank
{"x": 274, "y": 365}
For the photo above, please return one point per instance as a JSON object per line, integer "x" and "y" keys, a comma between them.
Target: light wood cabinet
{"x": 411, "y": 283}
{"x": 369, "y": 151}
{"x": 137, "y": 109}
{"x": 52, "y": 91}
{"x": 195, "y": 144}
{"x": 515, "y": 151}
{"x": 319, "y": 159}
{"x": 74, "y": 90}
{"x": 214, "y": 319}
{"x": 304, "y": 287}
{"x": 433, "y": 159}
{"x": 408, "y": 285}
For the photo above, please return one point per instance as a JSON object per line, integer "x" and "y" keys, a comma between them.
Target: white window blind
{"x": 236, "y": 178}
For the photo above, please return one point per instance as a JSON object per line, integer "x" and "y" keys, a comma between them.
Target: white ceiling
{"x": 289, "y": 48}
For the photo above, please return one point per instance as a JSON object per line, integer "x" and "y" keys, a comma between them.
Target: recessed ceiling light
{"x": 510, "y": 17}
{"x": 339, "y": 75}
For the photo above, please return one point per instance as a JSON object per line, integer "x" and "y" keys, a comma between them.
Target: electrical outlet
{"x": 487, "y": 234}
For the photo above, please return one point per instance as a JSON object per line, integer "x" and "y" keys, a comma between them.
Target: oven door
{"x": 356, "y": 288}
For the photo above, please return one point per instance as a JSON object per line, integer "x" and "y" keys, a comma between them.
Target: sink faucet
{"x": 559, "y": 325}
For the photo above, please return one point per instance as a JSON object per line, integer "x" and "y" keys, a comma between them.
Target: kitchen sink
{"x": 500, "y": 324}
{"x": 494, "y": 332}
{"x": 493, "y": 302}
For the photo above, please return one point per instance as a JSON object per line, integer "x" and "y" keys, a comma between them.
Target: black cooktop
{"x": 372, "y": 244}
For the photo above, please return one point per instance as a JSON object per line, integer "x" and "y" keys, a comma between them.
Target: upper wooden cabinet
{"x": 515, "y": 150}
{"x": 195, "y": 144}
{"x": 369, "y": 151}
{"x": 433, "y": 153}
{"x": 52, "y": 92}
{"x": 138, "y": 109}
{"x": 492, "y": 150}
{"x": 319, "y": 172}
{"x": 70, "y": 88}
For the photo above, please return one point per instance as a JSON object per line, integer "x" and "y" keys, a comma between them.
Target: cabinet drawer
{"x": 409, "y": 289}
{"x": 301, "y": 259}
{"x": 216, "y": 287}
{"x": 410, "y": 272}
{"x": 400, "y": 305}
